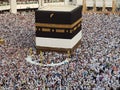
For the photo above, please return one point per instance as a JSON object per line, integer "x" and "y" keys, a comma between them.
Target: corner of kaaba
{"x": 58, "y": 27}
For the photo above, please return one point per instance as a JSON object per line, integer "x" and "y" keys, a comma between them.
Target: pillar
{"x": 74, "y": 2}
{"x": 13, "y": 6}
{"x": 103, "y": 9}
{"x": 118, "y": 4}
{"x": 94, "y": 5}
{"x": 79, "y": 2}
{"x": 40, "y": 3}
{"x": 84, "y": 9}
{"x": 68, "y": 2}
{"x": 113, "y": 6}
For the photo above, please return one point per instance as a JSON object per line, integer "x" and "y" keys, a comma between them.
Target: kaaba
{"x": 58, "y": 27}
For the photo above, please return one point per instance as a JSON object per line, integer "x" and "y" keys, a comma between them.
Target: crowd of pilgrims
{"x": 94, "y": 65}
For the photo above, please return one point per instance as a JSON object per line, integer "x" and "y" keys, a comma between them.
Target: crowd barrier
{"x": 29, "y": 59}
